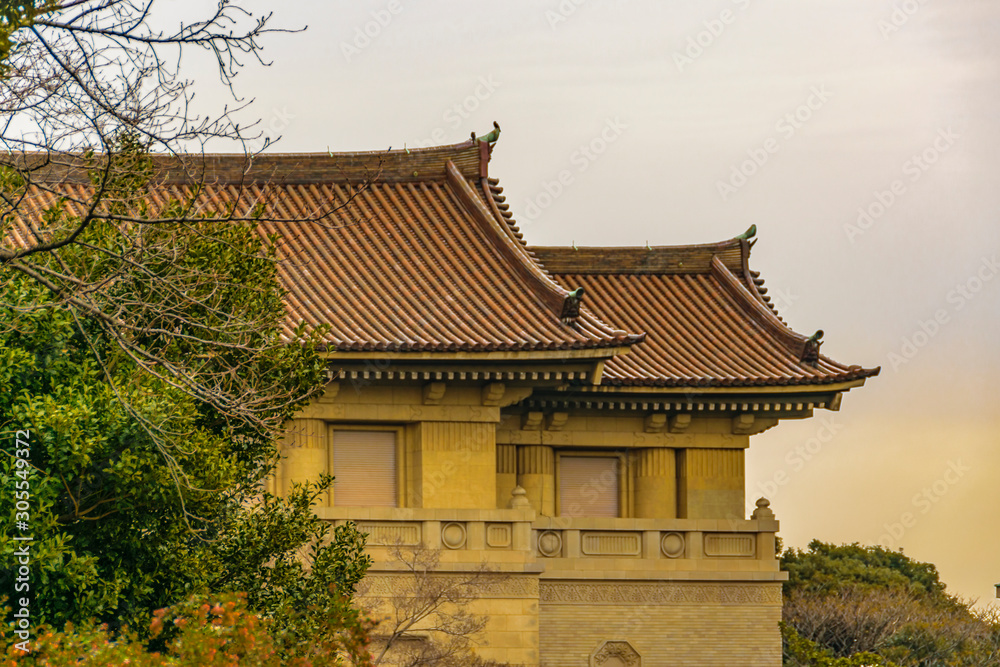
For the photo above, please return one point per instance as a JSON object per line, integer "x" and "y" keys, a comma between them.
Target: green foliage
{"x": 202, "y": 631}
{"x": 143, "y": 487}
{"x": 842, "y": 602}
{"x": 826, "y": 568}
{"x": 801, "y": 652}
{"x": 15, "y": 16}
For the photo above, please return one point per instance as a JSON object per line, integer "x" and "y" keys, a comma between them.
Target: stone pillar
{"x": 710, "y": 484}
{"x": 655, "y": 484}
{"x": 304, "y": 454}
{"x": 536, "y": 474}
{"x": 506, "y": 473}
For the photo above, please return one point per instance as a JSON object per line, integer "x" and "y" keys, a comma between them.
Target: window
{"x": 589, "y": 486}
{"x": 364, "y": 464}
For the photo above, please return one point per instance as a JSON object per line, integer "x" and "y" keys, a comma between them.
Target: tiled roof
{"x": 707, "y": 317}
{"x": 424, "y": 258}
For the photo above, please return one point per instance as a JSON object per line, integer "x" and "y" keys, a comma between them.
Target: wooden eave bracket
{"x": 750, "y": 424}
{"x": 655, "y": 423}
{"x": 498, "y": 394}
{"x": 493, "y": 392}
{"x": 679, "y": 423}
{"x": 532, "y": 421}
{"x": 556, "y": 421}
{"x": 434, "y": 392}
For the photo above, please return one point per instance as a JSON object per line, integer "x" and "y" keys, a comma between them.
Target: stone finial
{"x": 518, "y": 499}
{"x": 763, "y": 510}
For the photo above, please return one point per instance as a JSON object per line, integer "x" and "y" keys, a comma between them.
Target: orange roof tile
{"x": 425, "y": 258}
{"x": 707, "y": 317}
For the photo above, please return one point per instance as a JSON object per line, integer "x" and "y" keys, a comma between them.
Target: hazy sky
{"x": 655, "y": 108}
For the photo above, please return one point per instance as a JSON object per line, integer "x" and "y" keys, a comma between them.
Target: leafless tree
{"x": 426, "y": 619}
{"x": 897, "y": 625}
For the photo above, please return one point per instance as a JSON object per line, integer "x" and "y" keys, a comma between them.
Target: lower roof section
{"x": 707, "y": 324}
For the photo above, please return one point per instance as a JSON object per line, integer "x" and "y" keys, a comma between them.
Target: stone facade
{"x": 680, "y": 577}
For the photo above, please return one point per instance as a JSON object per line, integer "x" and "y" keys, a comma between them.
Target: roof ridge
{"x": 551, "y": 293}
{"x": 639, "y": 259}
{"x": 801, "y": 346}
{"x": 406, "y": 164}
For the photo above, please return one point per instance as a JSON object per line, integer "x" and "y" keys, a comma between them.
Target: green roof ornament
{"x": 748, "y": 234}
{"x": 491, "y": 136}
{"x": 571, "y": 305}
{"x": 810, "y": 350}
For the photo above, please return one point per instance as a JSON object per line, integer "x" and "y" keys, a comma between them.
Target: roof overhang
{"x": 481, "y": 357}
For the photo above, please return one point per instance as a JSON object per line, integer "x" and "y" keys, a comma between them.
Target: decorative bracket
{"x": 531, "y": 421}
{"x": 434, "y": 392}
{"x": 679, "y": 423}
{"x": 328, "y": 396}
{"x": 493, "y": 392}
{"x": 654, "y": 423}
{"x": 743, "y": 424}
{"x": 556, "y": 421}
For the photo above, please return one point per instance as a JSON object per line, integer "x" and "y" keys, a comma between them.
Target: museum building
{"x": 575, "y": 417}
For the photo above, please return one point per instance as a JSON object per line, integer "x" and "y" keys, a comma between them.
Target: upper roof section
{"x": 471, "y": 158}
{"x": 707, "y": 317}
{"x": 402, "y": 251}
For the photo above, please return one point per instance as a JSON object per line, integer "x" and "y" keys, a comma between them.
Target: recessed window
{"x": 364, "y": 465}
{"x": 589, "y": 486}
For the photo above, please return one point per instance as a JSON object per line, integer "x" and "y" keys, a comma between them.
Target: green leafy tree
{"x": 144, "y": 490}
{"x": 15, "y": 16}
{"x": 846, "y": 601}
{"x": 143, "y": 339}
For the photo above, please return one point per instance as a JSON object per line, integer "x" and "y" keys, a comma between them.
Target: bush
{"x": 201, "y": 632}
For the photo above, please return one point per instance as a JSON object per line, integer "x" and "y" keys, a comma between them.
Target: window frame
{"x": 625, "y": 510}
{"x": 400, "y": 433}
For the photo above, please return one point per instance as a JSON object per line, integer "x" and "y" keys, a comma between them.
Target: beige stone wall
{"x": 683, "y": 577}
{"x": 305, "y": 452}
{"x": 655, "y": 483}
{"x": 510, "y": 606}
{"x": 506, "y": 473}
{"x": 536, "y": 475}
{"x": 668, "y": 624}
{"x": 710, "y": 484}
{"x": 454, "y": 466}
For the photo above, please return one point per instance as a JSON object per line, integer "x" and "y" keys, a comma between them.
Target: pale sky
{"x": 877, "y": 105}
